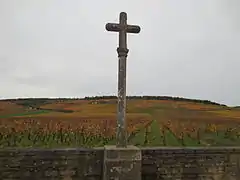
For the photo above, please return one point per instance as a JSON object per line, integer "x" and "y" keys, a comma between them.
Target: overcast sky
{"x": 56, "y": 48}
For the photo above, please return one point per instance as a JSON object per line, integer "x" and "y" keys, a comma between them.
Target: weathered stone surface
{"x": 122, "y": 163}
{"x": 149, "y": 164}
{"x": 39, "y": 164}
{"x": 191, "y": 163}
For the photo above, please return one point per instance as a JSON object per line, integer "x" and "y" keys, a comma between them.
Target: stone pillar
{"x": 122, "y": 163}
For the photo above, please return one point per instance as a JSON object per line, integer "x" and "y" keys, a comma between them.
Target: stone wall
{"x": 191, "y": 163}
{"x": 54, "y": 164}
{"x": 87, "y": 164}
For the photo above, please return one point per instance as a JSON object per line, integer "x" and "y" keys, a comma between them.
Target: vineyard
{"x": 68, "y": 131}
{"x": 93, "y": 124}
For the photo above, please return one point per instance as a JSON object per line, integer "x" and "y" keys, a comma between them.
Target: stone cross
{"x": 122, "y": 28}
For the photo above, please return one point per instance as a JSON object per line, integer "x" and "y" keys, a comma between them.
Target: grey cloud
{"x": 61, "y": 48}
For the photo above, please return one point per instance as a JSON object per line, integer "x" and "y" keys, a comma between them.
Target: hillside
{"x": 8, "y": 107}
{"x": 97, "y": 117}
{"x": 159, "y": 107}
{"x": 163, "y": 109}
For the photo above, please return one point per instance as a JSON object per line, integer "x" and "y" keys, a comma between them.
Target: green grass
{"x": 220, "y": 138}
{"x": 171, "y": 139}
{"x": 155, "y": 137}
{"x": 138, "y": 138}
{"x": 25, "y": 114}
{"x": 189, "y": 141}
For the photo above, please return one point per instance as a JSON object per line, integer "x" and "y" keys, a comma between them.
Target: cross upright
{"x": 122, "y": 28}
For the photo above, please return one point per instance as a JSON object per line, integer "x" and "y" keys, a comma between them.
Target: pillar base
{"x": 122, "y": 163}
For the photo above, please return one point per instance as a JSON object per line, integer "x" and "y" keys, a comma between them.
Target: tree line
{"x": 37, "y": 102}
{"x": 156, "y": 98}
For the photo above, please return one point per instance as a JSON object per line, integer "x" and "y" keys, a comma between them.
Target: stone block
{"x": 122, "y": 163}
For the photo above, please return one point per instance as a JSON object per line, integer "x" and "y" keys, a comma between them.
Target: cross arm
{"x": 117, "y": 28}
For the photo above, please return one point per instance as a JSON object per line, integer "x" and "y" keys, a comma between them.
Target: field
{"x": 92, "y": 123}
